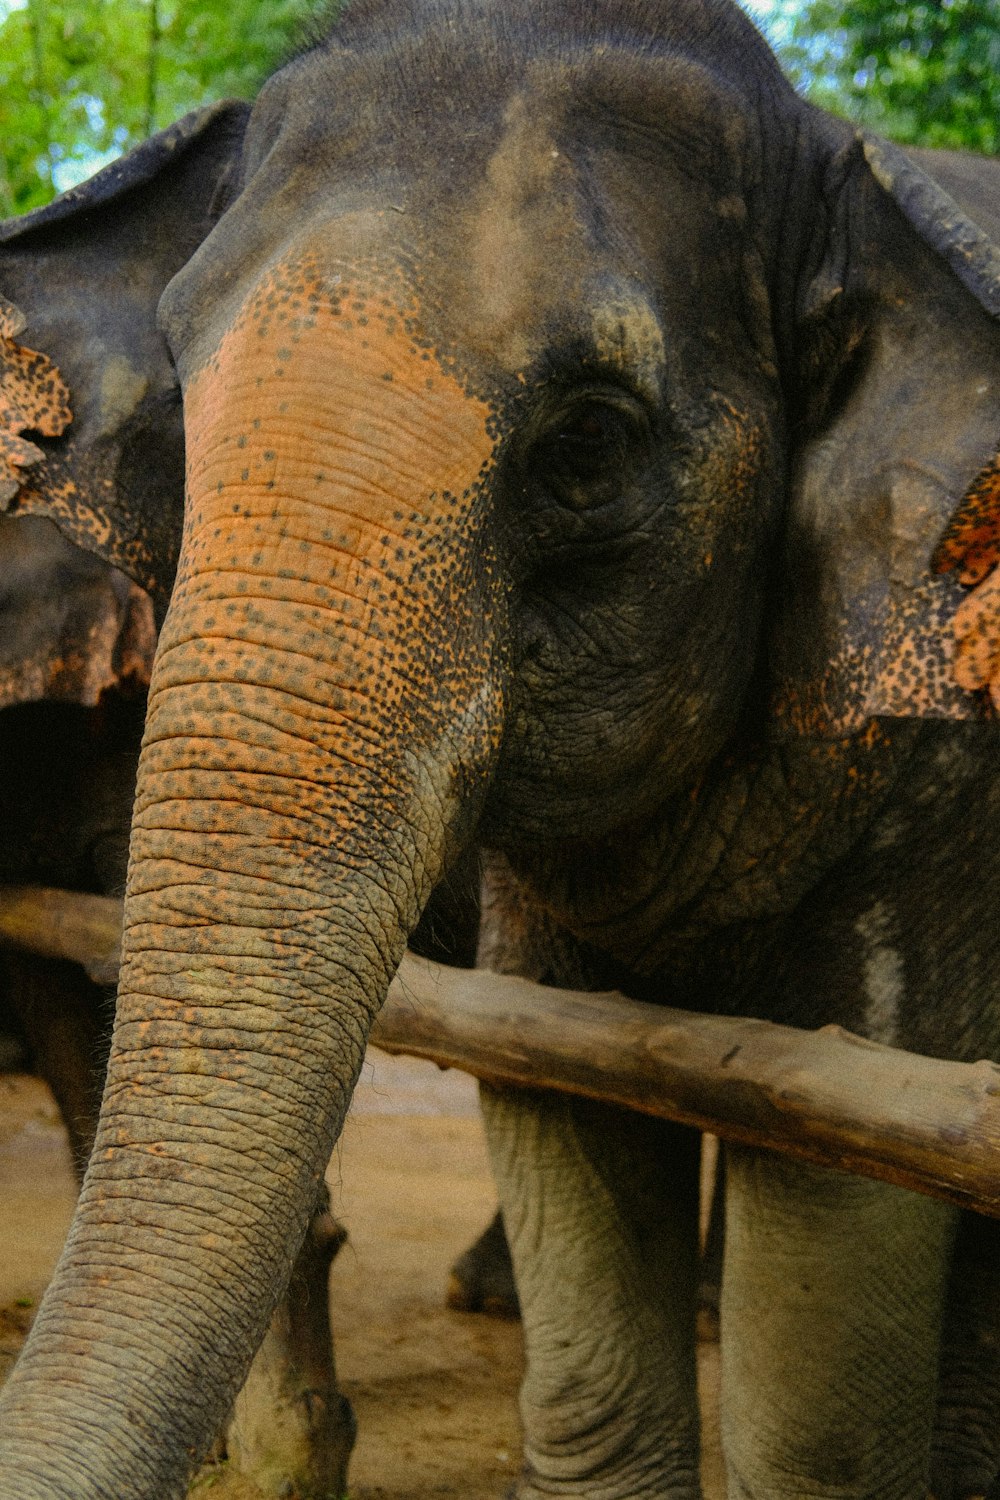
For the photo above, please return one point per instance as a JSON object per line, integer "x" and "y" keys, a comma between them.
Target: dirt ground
{"x": 435, "y": 1392}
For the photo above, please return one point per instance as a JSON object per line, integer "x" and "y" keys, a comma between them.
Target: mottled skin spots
{"x": 33, "y": 397}
{"x": 971, "y": 541}
{"x": 897, "y": 661}
{"x": 89, "y": 629}
{"x": 888, "y": 625}
{"x": 326, "y": 697}
{"x": 322, "y": 543}
{"x": 977, "y": 636}
{"x": 88, "y": 271}
{"x": 971, "y": 546}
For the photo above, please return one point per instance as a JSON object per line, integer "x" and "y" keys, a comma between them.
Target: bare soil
{"x": 435, "y": 1391}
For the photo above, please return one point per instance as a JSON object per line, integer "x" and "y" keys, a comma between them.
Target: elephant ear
{"x": 894, "y": 482}
{"x": 71, "y": 627}
{"x": 91, "y": 431}
{"x": 971, "y": 547}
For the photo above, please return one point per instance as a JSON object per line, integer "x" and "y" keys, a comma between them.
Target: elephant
{"x": 482, "y": 1278}
{"x": 582, "y": 436}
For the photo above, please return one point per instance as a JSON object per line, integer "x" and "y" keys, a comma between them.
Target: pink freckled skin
{"x": 977, "y": 635}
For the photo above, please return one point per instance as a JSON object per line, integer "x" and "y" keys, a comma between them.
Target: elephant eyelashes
{"x": 590, "y": 449}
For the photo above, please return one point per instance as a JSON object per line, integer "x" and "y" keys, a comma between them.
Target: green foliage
{"x": 926, "y": 73}
{"x": 83, "y": 80}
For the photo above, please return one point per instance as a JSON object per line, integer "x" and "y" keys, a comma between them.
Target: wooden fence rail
{"x": 823, "y": 1096}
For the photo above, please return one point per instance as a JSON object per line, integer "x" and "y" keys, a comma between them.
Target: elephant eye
{"x": 591, "y": 448}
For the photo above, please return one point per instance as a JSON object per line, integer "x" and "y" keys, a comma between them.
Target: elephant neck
{"x": 655, "y": 908}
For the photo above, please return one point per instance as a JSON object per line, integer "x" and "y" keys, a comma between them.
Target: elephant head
{"x": 570, "y": 413}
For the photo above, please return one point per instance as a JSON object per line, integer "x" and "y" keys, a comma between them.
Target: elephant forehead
{"x": 526, "y": 271}
{"x": 326, "y": 375}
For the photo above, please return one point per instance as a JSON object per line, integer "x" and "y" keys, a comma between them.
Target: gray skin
{"x": 76, "y": 647}
{"x": 482, "y": 1279}
{"x": 570, "y": 418}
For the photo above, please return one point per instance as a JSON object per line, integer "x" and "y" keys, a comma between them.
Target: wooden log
{"x": 823, "y": 1096}
{"x": 63, "y": 924}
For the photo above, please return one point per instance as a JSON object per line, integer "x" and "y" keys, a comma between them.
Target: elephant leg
{"x": 966, "y": 1453}
{"x": 482, "y": 1279}
{"x": 601, "y": 1209}
{"x": 832, "y": 1299}
{"x": 66, "y": 1021}
{"x": 291, "y": 1429}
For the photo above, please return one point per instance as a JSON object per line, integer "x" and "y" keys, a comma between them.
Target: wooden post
{"x": 824, "y": 1096}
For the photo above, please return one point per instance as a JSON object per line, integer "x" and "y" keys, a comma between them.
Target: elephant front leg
{"x": 832, "y": 1298}
{"x": 601, "y": 1210}
{"x": 291, "y": 1429}
{"x": 965, "y": 1463}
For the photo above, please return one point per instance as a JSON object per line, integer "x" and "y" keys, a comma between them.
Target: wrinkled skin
{"x": 482, "y": 1278}
{"x": 570, "y": 417}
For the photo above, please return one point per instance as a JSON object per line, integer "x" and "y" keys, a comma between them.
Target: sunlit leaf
{"x": 925, "y": 73}
{"x": 83, "y": 80}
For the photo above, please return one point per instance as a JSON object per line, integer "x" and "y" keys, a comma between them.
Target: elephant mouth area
{"x": 578, "y": 777}
{"x": 528, "y": 804}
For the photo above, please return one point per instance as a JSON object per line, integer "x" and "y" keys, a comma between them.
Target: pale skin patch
{"x": 519, "y": 230}
{"x": 883, "y": 973}
{"x": 525, "y": 233}
{"x": 122, "y": 390}
{"x": 627, "y": 336}
{"x": 526, "y": 257}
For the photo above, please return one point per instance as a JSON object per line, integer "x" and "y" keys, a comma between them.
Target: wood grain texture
{"x": 824, "y": 1096}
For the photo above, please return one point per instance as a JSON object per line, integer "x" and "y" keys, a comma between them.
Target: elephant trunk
{"x": 325, "y": 707}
